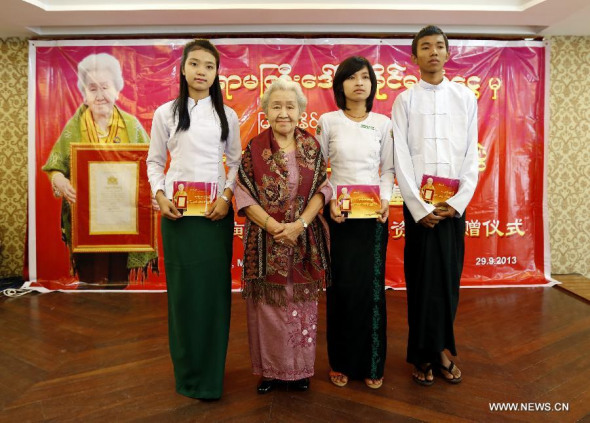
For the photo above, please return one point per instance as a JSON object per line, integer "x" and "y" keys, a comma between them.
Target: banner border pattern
{"x": 284, "y": 41}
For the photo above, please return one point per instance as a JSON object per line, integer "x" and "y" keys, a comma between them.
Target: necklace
{"x": 355, "y": 117}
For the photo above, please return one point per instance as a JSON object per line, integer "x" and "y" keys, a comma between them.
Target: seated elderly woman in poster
{"x": 97, "y": 120}
{"x": 281, "y": 188}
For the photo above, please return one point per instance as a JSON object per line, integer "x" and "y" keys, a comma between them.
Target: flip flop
{"x": 374, "y": 383}
{"x": 338, "y": 379}
{"x": 424, "y": 371}
{"x": 449, "y": 370}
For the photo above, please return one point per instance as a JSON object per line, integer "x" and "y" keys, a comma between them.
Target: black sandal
{"x": 424, "y": 371}
{"x": 449, "y": 370}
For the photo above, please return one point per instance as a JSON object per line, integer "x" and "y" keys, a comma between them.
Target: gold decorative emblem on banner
{"x": 483, "y": 155}
{"x": 495, "y": 84}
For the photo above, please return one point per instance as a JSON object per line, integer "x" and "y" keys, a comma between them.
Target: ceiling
{"x": 82, "y": 18}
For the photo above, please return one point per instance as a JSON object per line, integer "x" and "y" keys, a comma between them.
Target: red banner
{"x": 506, "y": 234}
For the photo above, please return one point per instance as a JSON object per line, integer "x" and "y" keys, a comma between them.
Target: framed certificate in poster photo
{"x": 113, "y": 210}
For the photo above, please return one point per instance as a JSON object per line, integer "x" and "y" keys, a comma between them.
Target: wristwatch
{"x": 303, "y": 222}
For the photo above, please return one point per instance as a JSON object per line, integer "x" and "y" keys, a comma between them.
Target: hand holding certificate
{"x": 435, "y": 189}
{"x": 194, "y": 198}
{"x": 359, "y": 201}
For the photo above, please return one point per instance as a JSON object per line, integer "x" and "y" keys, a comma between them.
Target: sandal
{"x": 425, "y": 369}
{"x": 454, "y": 379}
{"x": 338, "y": 379}
{"x": 374, "y": 383}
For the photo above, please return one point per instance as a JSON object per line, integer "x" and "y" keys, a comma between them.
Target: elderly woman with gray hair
{"x": 282, "y": 186}
{"x": 97, "y": 120}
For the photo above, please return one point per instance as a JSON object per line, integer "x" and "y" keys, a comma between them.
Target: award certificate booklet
{"x": 435, "y": 189}
{"x": 194, "y": 198}
{"x": 114, "y": 198}
{"x": 359, "y": 201}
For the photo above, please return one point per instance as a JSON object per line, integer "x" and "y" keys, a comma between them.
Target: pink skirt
{"x": 283, "y": 339}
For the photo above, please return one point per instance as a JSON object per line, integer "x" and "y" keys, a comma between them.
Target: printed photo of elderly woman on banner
{"x": 92, "y": 222}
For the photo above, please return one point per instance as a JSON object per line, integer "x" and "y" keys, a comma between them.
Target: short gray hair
{"x": 284, "y": 83}
{"x": 99, "y": 62}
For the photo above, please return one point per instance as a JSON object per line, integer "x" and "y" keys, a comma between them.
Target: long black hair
{"x": 180, "y": 109}
{"x": 349, "y": 67}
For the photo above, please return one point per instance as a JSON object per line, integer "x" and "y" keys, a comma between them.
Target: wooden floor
{"x": 575, "y": 284}
{"x": 87, "y": 357}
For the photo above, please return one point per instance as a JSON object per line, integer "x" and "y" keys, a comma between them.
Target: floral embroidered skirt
{"x": 283, "y": 339}
{"x": 356, "y": 307}
{"x": 197, "y": 258}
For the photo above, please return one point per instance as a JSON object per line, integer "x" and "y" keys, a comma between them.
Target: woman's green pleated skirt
{"x": 197, "y": 259}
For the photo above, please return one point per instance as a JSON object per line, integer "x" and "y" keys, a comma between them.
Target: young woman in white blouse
{"x": 196, "y": 130}
{"x": 359, "y": 146}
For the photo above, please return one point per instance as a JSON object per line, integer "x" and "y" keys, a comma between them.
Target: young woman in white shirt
{"x": 196, "y": 130}
{"x": 359, "y": 145}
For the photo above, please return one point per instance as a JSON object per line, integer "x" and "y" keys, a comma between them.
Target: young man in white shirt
{"x": 435, "y": 134}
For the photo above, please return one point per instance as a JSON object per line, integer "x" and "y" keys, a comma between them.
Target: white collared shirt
{"x": 360, "y": 153}
{"x": 435, "y": 133}
{"x": 195, "y": 154}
